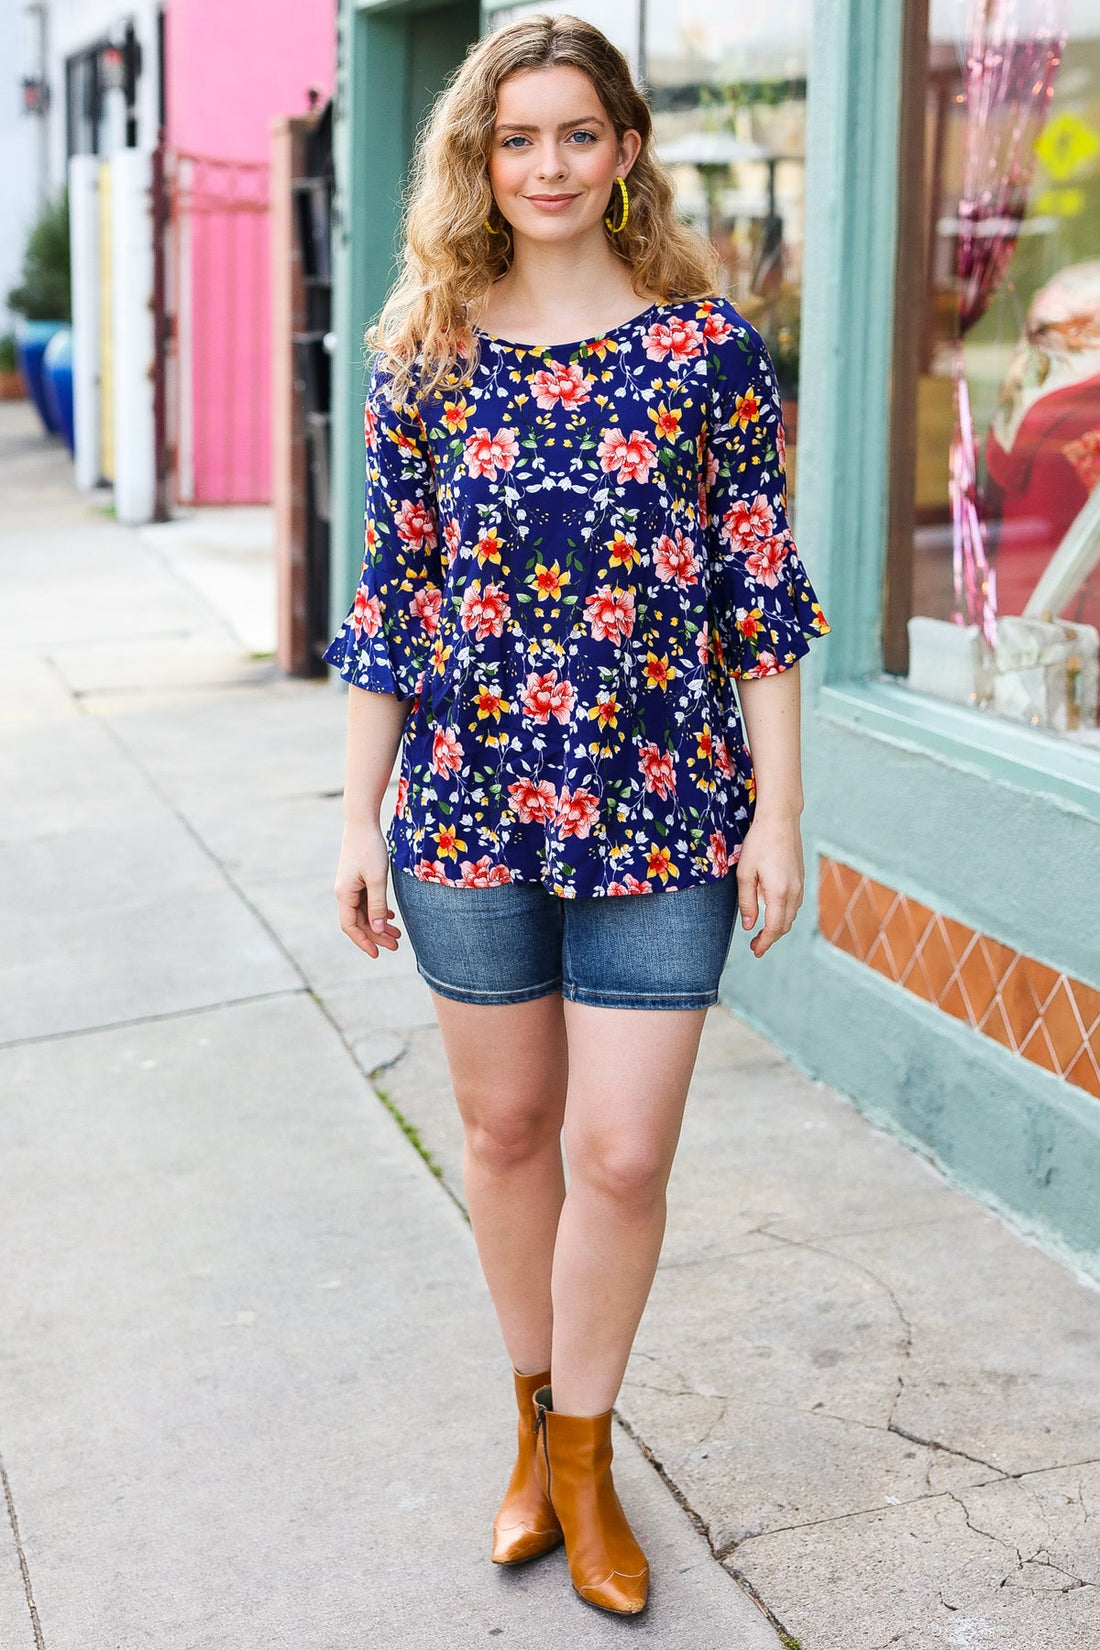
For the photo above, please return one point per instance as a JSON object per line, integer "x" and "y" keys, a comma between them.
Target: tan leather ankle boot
{"x": 526, "y": 1525}
{"x": 607, "y": 1565}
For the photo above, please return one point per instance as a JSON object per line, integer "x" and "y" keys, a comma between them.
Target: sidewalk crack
{"x": 40, "y": 1642}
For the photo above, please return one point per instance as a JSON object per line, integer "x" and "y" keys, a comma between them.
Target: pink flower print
{"x": 718, "y": 854}
{"x": 486, "y": 453}
{"x": 576, "y": 811}
{"x": 630, "y": 885}
{"x": 546, "y": 697}
{"x": 446, "y": 753}
{"x": 536, "y": 804}
{"x": 745, "y": 522}
{"x": 673, "y": 559}
{"x": 715, "y": 329}
{"x": 452, "y": 538}
{"x": 631, "y": 456}
{"x": 722, "y": 759}
{"x": 416, "y": 526}
{"x": 766, "y": 665}
{"x": 781, "y": 445}
{"x": 366, "y": 614}
{"x": 402, "y": 793}
{"x": 484, "y": 874}
{"x": 567, "y": 384}
{"x": 425, "y": 606}
{"x": 765, "y": 561}
{"x": 657, "y": 771}
{"x": 370, "y": 428}
{"x": 610, "y": 614}
{"x": 702, "y": 644}
{"x": 429, "y": 870}
{"x": 679, "y": 339}
{"x": 484, "y": 611}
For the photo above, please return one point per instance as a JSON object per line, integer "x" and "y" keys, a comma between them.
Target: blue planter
{"x": 31, "y": 338}
{"x": 57, "y": 382}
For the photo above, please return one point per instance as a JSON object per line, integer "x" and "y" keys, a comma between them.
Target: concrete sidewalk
{"x": 251, "y": 1389}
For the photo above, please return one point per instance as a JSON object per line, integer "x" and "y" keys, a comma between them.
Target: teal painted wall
{"x": 994, "y": 825}
{"x": 392, "y": 59}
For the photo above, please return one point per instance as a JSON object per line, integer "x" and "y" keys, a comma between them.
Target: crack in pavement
{"x": 24, "y": 1569}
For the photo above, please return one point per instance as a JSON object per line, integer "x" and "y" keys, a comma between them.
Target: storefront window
{"x": 728, "y": 91}
{"x": 728, "y": 94}
{"x": 1000, "y": 544}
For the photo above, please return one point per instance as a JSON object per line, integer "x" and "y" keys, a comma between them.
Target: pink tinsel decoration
{"x": 1008, "y": 84}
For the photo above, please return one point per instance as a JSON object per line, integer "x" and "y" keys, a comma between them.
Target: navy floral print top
{"x": 571, "y": 555}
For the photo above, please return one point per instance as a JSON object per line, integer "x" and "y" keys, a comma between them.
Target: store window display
{"x": 1005, "y": 520}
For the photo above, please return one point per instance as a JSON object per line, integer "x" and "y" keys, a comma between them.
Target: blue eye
{"x": 511, "y": 142}
{"x": 589, "y": 137}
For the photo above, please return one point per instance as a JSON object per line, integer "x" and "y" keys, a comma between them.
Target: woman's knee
{"x": 632, "y": 1173}
{"x": 501, "y": 1137}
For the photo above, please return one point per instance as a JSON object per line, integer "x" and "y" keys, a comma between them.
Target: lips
{"x": 550, "y": 200}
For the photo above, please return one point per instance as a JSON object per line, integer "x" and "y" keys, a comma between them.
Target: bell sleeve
{"x": 765, "y": 612}
{"x": 385, "y": 641}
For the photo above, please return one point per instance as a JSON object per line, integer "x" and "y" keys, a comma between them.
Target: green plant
{"x": 43, "y": 293}
{"x": 7, "y": 353}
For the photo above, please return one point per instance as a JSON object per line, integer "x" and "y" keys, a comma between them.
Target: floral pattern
{"x": 571, "y": 555}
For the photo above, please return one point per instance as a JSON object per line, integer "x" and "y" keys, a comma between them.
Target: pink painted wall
{"x": 231, "y": 68}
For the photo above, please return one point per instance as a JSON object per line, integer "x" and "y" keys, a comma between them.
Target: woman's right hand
{"x": 361, "y": 878}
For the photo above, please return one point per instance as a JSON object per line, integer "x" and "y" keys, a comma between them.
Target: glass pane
{"x": 1006, "y": 534}
{"x": 728, "y": 93}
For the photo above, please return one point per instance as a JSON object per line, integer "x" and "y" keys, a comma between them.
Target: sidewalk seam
{"x": 40, "y": 1643}
{"x": 152, "y": 1019}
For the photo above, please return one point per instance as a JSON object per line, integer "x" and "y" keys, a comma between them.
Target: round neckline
{"x": 576, "y": 343}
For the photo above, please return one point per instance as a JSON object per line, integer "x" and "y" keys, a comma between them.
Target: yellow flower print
{"x": 605, "y": 710}
{"x": 455, "y": 414}
{"x": 448, "y": 845}
{"x": 440, "y": 655}
{"x": 659, "y": 863}
{"x": 658, "y": 671}
{"x": 490, "y": 703}
{"x": 489, "y": 547}
{"x": 549, "y": 580}
{"x": 667, "y": 421}
{"x": 747, "y": 410}
{"x": 623, "y": 551}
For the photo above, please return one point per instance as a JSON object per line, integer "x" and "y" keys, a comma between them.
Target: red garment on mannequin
{"x": 1037, "y": 488}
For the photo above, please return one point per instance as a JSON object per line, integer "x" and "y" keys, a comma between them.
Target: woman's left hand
{"x": 770, "y": 869}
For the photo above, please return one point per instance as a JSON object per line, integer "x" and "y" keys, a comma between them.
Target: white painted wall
{"x": 76, "y": 25}
{"x": 18, "y": 193}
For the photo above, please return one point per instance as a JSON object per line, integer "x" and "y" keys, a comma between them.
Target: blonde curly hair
{"x": 450, "y": 259}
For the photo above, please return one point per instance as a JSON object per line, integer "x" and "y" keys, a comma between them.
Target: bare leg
{"x": 629, "y": 1071}
{"x": 509, "y": 1068}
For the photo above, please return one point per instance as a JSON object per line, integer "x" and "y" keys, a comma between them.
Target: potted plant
{"x": 12, "y": 387}
{"x": 41, "y": 302}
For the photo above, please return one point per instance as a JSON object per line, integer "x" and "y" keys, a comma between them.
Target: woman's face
{"x": 555, "y": 156}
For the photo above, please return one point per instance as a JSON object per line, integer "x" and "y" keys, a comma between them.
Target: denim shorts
{"x": 518, "y": 941}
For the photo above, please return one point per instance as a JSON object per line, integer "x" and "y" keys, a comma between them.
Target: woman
{"x": 572, "y": 551}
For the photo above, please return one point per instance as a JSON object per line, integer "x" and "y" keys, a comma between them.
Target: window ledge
{"x": 970, "y": 740}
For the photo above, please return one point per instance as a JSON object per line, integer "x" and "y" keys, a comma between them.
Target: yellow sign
{"x": 1066, "y": 144}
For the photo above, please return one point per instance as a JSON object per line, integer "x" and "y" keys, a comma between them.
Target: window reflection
{"x": 1024, "y": 576}
{"x": 728, "y": 93}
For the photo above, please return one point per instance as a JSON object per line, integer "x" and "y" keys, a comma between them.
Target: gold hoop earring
{"x": 617, "y": 228}
{"x": 493, "y": 231}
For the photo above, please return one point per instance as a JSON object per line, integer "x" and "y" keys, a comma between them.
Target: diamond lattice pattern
{"x": 1042, "y": 1015}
